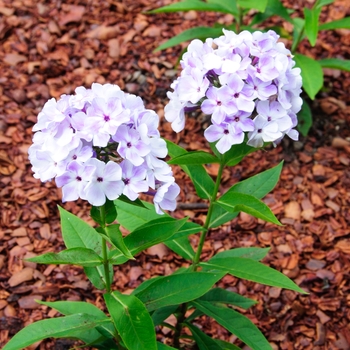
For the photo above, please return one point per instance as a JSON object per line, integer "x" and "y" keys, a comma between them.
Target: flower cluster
{"x": 102, "y": 142}
{"x": 246, "y": 82}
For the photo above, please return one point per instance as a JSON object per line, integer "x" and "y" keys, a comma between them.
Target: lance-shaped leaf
{"x": 75, "y": 307}
{"x": 116, "y": 238}
{"x": 181, "y": 246}
{"x": 105, "y": 216}
{"x": 252, "y": 271}
{"x": 235, "y": 202}
{"x": 305, "y": 119}
{"x": 74, "y": 256}
{"x": 335, "y": 63}
{"x": 259, "y": 5}
{"x": 197, "y": 157}
{"x": 132, "y": 321}
{"x": 203, "y": 341}
{"x": 162, "y": 346}
{"x": 311, "y": 73}
{"x": 311, "y": 24}
{"x": 343, "y": 23}
{"x": 77, "y": 233}
{"x": 236, "y": 323}
{"x": 223, "y": 296}
{"x": 177, "y": 289}
{"x": 154, "y": 232}
{"x": 159, "y": 315}
{"x": 253, "y": 253}
{"x": 202, "y": 182}
{"x": 61, "y": 327}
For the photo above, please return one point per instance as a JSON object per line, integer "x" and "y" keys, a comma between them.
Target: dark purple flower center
{"x": 106, "y": 118}
{"x": 269, "y": 119}
{"x": 236, "y": 119}
{"x": 75, "y": 157}
{"x": 236, "y": 95}
{"x": 258, "y": 70}
{"x": 219, "y": 103}
{"x": 226, "y": 132}
{"x": 78, "y": 178}
{"x": 100, "y": 179}
{"x": 128, "y": 144}
{"x": 259, "y": 131}
{"x": 126, "y": 181}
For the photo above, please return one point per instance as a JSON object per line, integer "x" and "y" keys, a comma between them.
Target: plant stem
{"x": 104, "y": 250}
{"x": 207, "y": 221}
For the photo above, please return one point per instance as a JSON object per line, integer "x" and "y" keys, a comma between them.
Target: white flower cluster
{"x": 102, "y": 142}
{"x": 246, "y": 82}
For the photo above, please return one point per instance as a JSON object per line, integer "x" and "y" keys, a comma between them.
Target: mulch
{"x": 48, "y": 48}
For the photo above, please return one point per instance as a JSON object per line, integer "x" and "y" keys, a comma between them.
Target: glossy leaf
{"x": 116, "y": 238}
{"x": 77, "y": 233}
{"x": 298, "y": 32}
{"x": 343, "y": 23}
{"x": 252, "y": 253}
{"x": 189, "y": 5}
{"x": 236, "y": 153}
{"x": 203, "y": 341}
{"x": 311, "y": 73}
{"x": 74, "y": 307}
{"x": 234, "y": 202}
{"x": 201, "y": 33}
{"x": 259, "y": 5}
{"x": 177, "y": 289}
{"x": 203, "y": 183}
{"x": 226, "y": 346}
{"x": 311, "y": 24}
{"x": 194, "y": 158}
{"x": 219, "y": 216}
{"x": 273, "y": 8}
{"x": 182, "y": 247}
{"x": 132, "y": 321}
{"x": 321, "y": 3}
{"x": 335, "y": 63}
{"x": 162, "y": 346}
{"x": 252, "y": 271}
{"x": 236, "y": 323}
{"x": 159, "y": 315}
{"x": 305, "y": 119}
{"x": 74, "y": 256}
{"x": 154, "y": 232}
{"x": 223, "y": 296}
{"x": 60, "y": 327}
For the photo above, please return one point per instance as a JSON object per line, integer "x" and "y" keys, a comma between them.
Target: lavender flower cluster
{"x": 102, "y": 142}
{"x": 246, "y": 82}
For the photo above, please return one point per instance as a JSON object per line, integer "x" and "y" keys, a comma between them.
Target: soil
{"x": 50, "y": 47}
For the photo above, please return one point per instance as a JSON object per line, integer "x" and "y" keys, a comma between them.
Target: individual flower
{"x": 228, "y": 78}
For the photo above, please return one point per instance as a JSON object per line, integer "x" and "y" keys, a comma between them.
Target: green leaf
{"x": 196, "y": 157}
{"x": 233, "y": 202}
{"x": 196, "y": 5}
{"x": 159, "y": 315}
{"x": 116, "y": 238}
{"x": 223, "y": 296}
{"x": 335, "y": 63}
{"x": 74, "y": 307}
{"x": 252, "y": 253}
{"x": 231, "y": 6}
{"x": 74, "y": 256}
{"x": 109, "y": 213}
{"x": 201, "y": 33}
{"x": 61, "y": 327}
{"x": 136, "y": 203}
{"x": 273, "y": 8}
{"x": 236, "y": 153}
{"x": 343, "y": 23}
{"x": 77, "y": 233}
{"x": 132, "y": 218}
{"x": 304, "y": 119}
{"x": 252, "y": 271}
{"x": 177, "y": 289}
{"x": 298, "y": 32}
{"x": 236, "y": 323}
{"x": 203, "y": 183}
{"x": 181, "y": 246}
{"x": 154, "y": 232}
{"x": 311, "y": 24}
{"x": 203, "y": 341}
{"x": 132, "y": 321}
{"x": 226, "y": 346}
{"x": 259, "y": 5}
{"x": 320, "y": 3}
{"x": 162, "y": 346}
{"x": 311, "y": 73}
{"x": 258, "y": 186}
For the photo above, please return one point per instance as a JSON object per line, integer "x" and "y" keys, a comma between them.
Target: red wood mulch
{"x": 48, "y": 48}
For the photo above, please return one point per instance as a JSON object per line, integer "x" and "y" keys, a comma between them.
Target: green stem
{"x": 104, "y": 250}
{"x": 207, "y": 221}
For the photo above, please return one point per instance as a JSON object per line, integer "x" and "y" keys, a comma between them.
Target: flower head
{"x": 246, "y": 82}
{"x": 100, "y": 143}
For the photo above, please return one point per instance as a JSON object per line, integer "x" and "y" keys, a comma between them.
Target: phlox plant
{"x": 306, "y": 27}
{"x": 103, "y": 146}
